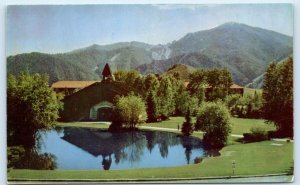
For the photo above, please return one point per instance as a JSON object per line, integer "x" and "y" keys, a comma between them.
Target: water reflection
{"x": 127, "y": 146}
{"x": 84, "y": 148}
{"x": 32, "y": 159}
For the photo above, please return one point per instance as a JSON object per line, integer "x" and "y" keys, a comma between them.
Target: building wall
{"x": 78, "y": 105}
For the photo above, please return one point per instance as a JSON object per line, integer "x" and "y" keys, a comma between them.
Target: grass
{"x": 239, "y": 125}
{"x": 85, "y": 125}
{"x": 251, "y": 159}
{"x": 250, "y": 91}
{"x": 243, "y": 125}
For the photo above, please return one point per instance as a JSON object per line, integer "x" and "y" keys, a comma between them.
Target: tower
{"x": 107, "y": 74}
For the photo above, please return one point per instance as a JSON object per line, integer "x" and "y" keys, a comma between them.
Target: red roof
{"x": 72, "y": 84}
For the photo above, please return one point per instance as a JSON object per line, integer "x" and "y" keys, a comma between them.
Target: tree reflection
{"x": 31, "y": 159}
{"x": 163, "y": 149}
{"x": 150, "y": 137}
{"x": 106, "y": 162}
{"x": 25, "y": 154}
{"x": 127, "y": 146}
{"x": 188, "y": 152}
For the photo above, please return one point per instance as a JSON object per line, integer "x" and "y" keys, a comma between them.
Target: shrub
{"x": 213, "y": 118}
{"x": 257, "y": 134}
{"x": 198, "y": 160}
{"x": 131, "y": 110}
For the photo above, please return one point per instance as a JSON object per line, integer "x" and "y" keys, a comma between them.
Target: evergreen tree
{"x": 151, "y": 107}
{"x": 187, "y": 127}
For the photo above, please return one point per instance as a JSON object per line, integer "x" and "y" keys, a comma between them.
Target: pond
{"x": 89, "y": 149}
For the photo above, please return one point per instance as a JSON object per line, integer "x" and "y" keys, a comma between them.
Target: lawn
{"x": 239, "y": 125}
{"x": 79, "y": 124}
{"x": 250, "y": 91}
{"x": 268, "y": 157}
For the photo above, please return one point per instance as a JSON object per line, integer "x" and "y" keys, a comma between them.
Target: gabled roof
{"x": 72, "y": 84}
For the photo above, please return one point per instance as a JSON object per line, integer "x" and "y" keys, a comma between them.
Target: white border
{"x": 296, "y": 3}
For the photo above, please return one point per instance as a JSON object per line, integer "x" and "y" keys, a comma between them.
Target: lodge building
{"x": 90, "y": 100}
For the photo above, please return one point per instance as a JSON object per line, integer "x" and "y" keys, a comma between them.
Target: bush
{"x": 257, "y": 134}
{"x": 198, "y": 160}
{"x": 213, "y": 118}
{"x": 130, "y": 111}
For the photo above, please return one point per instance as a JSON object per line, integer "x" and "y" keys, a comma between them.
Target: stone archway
{"x": 101, "y": 111}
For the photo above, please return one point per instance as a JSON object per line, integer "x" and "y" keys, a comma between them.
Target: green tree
{"x": 278, "y": 96}
{"x": 197, "y": 85}
{"x": 152, "y": 110}
{"x": 151, "y": 83}
{"x": 132, "y": 110}
{"x": 187, "y": 126}
{"x": 219, "y": 81}
{"x": 31, "y": 107}
{"x": 132, "y": 79}
{"x": 185, "y": 101}
{"x": 166, "y": 98}
{"x": 213, "y": 119}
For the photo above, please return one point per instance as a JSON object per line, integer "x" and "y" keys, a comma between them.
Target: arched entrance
{"x": 104, "y": 114}
{"x": 101, "y": 111}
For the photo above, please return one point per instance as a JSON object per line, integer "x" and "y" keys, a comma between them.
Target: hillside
{"x": 257, "y": 83}
{"x": 183, "y": 71}
{"x": 244, "y": 50}
{"x": 82, "y": 64}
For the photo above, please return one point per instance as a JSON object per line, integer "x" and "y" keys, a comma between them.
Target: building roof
{"x": 72, "y": 84}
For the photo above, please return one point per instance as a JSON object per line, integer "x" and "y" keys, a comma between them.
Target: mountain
{"x": 257, "y": 82}
{"x": 244, "y": 50}
{"x": 195, "y": 60}
{"x": 82, "y": 64}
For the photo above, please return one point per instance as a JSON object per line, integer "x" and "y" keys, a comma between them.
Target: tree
{"x": 132, "y": 79}
{"x": 132, "y": 110}
{"x": 198, "y": 85}
{"x": 31, "y": 107}
{"x": 152, "y": 110}
{"x": 248, "y": 106}
{"x": 187, "y": 127}
{"x": 165, "y": 98}
{"x": 219, "y": 81}
{"x": 185, "y": 101}
{"x": 278, "y": 96}
{"x": 213, "y": 119}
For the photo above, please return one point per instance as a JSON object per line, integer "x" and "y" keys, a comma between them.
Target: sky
{"x": 58, "y": 28}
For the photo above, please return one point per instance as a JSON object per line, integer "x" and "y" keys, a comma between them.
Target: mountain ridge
{"x": 244, "y": 50}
